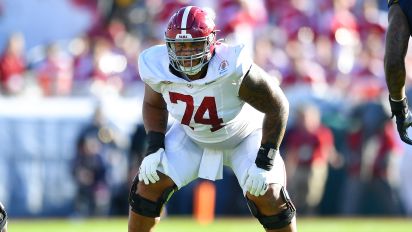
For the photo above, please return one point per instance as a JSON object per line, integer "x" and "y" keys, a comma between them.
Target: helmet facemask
{"x": 193, "y": 63}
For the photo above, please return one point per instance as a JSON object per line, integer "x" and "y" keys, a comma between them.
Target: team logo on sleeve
{"x": 223, "y": 67}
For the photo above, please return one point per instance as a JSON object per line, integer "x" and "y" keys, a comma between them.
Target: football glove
{"x": 403, "y": 118}
{"x": 148, "y": 168}
{"x": 257, "y": 181}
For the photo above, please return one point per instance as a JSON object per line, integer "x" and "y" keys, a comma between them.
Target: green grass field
{"x": 220, "y": 225}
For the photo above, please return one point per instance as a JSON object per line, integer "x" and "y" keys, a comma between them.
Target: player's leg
{"x": 146, "y": 203}
{"x": 274, "y": 210}
{"x": 182, "y": 158}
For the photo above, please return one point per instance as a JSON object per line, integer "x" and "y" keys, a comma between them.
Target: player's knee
{"x": 155, "y": 190}
{"x": 271, "y": 202}
{"x": 274, "y": 210}
{"x": 148, "y": 200}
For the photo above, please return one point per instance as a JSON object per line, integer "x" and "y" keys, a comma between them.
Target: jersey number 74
{"x": 208, "y": 104}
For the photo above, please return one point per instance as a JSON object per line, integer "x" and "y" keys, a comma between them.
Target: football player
{"x": 227, "y": 111}
{"x": 397, "y": 38}
{"x": 3, "y": 218}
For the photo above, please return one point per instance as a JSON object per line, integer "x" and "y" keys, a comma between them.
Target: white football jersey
{"x": 209, "y": 109}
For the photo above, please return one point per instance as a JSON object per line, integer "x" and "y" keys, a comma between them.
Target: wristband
{"x": 266, "y": 156}
{"x": 155, "y": 140}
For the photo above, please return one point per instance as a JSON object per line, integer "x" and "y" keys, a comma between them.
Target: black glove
{"x": 403, "y": 118}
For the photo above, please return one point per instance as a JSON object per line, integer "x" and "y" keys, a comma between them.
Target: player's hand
{"x": 256, "y": 181}
{"x": 403, "y": 118}
{"x": 402, "y": 124}
{"x": 148, "y": 168}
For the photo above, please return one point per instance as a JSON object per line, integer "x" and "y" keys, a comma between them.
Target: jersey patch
{"x": 223, "y": 67}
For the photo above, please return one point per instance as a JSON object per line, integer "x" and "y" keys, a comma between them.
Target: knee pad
{"x": 146, "y": 207}
{"x": 279, "y": 220}
{"x": 3, "y": 217}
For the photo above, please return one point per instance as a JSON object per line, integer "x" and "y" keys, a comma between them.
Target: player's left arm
{"x": 396, "y": 46}
{"x": 262, "y": 92}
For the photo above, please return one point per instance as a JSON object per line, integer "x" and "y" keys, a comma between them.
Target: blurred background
{"x": 71, "y": 135}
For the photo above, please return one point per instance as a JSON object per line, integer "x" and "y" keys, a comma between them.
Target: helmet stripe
{"x": 184, "y": 19}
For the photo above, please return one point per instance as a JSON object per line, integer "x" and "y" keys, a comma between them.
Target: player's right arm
{"x": 154, "y": 112}
{"x": 155, "y": 117}
{"x": 397, "y": 38}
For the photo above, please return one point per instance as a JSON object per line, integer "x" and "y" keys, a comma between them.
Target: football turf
{"x": 173, "y": 224}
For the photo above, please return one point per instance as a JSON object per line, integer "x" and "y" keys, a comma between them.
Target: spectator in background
{"x": 82, "y": 50}
{"x": 101, "y": 66}
{"x": 105, "y": 147}
{"x": 373, "y": 150}
{"x": 107, "y": 67}
{"x": 90, "y": 175}
{"x": 12, "y": 66}
{"x": 310, "y": 148}
{"x": 125, "y": 48}
{"x": 90, "y": 168}
{"x": 55, "y": 72}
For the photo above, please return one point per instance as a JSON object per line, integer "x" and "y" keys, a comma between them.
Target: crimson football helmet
{"x": 190, "y": 24}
